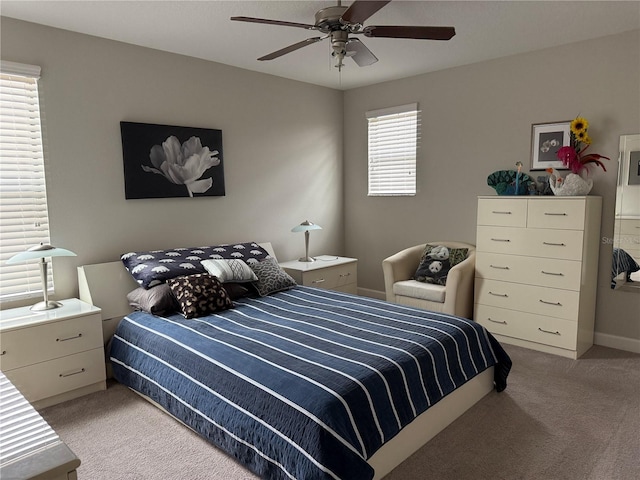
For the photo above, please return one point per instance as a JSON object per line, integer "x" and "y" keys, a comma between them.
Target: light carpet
{"x": 557, "y": 419}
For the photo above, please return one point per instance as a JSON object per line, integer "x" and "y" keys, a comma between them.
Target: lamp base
{"x": 47, "y": 305}
{"x": 307, "y": 259}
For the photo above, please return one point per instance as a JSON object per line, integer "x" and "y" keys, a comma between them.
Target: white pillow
{"x": 230, "y": 270}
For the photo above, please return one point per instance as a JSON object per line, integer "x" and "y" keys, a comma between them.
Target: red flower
{"x": 569, "y": 158}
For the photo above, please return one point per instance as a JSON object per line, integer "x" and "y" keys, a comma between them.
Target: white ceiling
{"x": 202, "y": 29}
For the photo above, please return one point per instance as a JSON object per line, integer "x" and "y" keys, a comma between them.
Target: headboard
{"x": 106, "y": 286}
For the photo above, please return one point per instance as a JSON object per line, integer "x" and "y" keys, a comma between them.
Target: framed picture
{"x": 546, "y": 140}
{"x": 163, "y": 161}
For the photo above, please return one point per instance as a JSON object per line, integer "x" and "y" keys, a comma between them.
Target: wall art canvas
{"x": 163, "y": 161}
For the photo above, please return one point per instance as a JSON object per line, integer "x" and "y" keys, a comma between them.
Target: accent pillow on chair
{"x": 436, "y": 261}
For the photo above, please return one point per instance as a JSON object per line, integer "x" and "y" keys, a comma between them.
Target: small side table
{"x": 328, "y": 271}
{"x": 53, "y": 355}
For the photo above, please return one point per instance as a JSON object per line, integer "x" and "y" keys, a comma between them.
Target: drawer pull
{"x": 500, "y": 239}
{"x": 345, "y": 274}
{"x": 68, "y": 338}
{"x": 4, "y": 352}
{"x": 556, "y": 214}
{"x": 320, "y": 280}
{"x": 63, "y": 375}
{"x": 503, "y": 322}
{"x": 498, "y": 294}
{"x": 554, "y": 244}
{"x": 548, "y": 331}
{"x": 498, "y": 212}
{"x": 553, "y": 273}
{"x": 499, "y": 267}
{"x": 555, "y": 304}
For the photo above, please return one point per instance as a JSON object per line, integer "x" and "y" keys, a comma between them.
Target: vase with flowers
{"x": 576, "y": 159}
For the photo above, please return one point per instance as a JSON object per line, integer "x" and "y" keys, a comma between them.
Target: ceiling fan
{"x": 338, "y": 23}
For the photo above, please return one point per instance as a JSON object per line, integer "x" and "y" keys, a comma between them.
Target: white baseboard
{"x": 620, "y": 343}
{"x": 367, "y": 292}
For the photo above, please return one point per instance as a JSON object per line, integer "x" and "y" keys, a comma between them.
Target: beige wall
{"x": 282, "y": 145}
{"x": 477, "y": 119}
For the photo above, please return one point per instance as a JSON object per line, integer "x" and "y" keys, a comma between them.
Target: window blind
{"x": 393, "y": 142}
{"x": 24, "y": 220}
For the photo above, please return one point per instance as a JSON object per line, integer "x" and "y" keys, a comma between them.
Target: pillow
{"x": 157, "y": 266}
{"x": 157, "y": 300}
{"x": 436, "y": 261}
{"x": 271, "y": 277}
{"x": 230, "y": 270}
{"x": 236, "y": 290}
{"x": 199, "y": 294}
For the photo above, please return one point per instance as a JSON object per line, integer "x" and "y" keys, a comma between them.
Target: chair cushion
{"x": 423, "y": 291}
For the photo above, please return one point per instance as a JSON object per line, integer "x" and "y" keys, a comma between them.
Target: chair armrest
{"x": 460, "y": 282}
{"x": 400, "y": 266}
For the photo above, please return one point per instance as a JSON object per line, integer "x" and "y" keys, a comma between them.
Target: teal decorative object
{"x": 504, "y": 182}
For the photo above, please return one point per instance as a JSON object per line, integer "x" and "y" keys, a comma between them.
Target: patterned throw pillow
{"x": 199, "y": 294}
{"x": 230, "y": 270}
{"x": 436, "y": 261}
{"x": 271, "y": 277}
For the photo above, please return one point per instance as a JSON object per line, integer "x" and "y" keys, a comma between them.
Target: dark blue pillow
{"x": 157, "y": 266}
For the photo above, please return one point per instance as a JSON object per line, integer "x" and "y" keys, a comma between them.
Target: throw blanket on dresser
{"x": 303, "y": 384}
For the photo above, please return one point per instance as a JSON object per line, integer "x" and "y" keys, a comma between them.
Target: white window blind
{"x": 24, "y": 220}
{"x": 393, "y": 143}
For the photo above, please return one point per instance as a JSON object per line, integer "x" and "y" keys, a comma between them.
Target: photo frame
{"x": 164, "y": 161}
{"x": 546, "y": 139}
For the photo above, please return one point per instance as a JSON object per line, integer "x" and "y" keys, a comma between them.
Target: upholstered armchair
{"x": 456, "y": 297}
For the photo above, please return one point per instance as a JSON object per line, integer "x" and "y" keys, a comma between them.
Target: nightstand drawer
{"x": 331, "y": 277}
{"x": 45, "y": 341}
{"x": 61, "y": 375}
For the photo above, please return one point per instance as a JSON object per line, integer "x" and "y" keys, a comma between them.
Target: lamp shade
{"x": 40, "y": 251}
{"x": 306, "y": 226}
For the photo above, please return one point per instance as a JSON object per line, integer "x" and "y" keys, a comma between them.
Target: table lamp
{"x": 41, "y": 252}
{"x": 306, "y": 227}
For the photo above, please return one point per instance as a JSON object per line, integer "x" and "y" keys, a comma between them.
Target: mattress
{"x": 306, "y": 383}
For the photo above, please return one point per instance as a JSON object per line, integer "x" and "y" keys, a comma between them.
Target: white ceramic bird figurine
{"x": 571, "y": 185}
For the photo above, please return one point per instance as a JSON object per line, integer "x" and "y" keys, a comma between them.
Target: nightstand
{"x": 328, "y": 272}
{"x": 54, "y": 355}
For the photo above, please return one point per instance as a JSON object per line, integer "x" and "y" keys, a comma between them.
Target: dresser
{"x": 328, "y": 272}
{"x": 536, "y": 271}
{"x": 53, "y": 355}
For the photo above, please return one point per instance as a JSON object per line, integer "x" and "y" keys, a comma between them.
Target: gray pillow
{"x": 157, "y": 300}
{"x": 271, "y": 277}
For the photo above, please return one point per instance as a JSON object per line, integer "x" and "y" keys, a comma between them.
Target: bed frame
{"x": 106, "y": 285}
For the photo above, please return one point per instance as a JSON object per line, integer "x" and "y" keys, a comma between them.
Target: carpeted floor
{"x": 557, "y": 419}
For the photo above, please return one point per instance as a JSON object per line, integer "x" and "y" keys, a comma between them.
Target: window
{"x": 24, "y": 221}
{"x": 393, "y": 143}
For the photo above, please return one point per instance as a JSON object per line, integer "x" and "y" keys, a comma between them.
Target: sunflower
{"x": 579, "y": 125}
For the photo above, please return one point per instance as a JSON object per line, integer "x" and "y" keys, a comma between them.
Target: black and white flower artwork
{"x": 166, "y": 161}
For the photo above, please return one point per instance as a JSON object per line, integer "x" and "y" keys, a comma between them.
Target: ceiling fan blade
{"x": 419, "y": 33}
{"x": 360, "y": 10}
{"x": 360, "y": 53}
{"x": 274, "y": 22}
{"x": 291, "y": 48}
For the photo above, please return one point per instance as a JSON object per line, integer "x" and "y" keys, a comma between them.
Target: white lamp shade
{"x": 40, "y": 251}
{"x": 306, "y": 226}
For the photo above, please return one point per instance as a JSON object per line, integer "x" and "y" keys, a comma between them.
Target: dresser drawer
{"x": 526, "y": 326}
{"x": 560, "y": 244}
{"x": 552, "y": 302}
{"x": 503, "y": 240}
{"x": 45, "y": 341}
{"x": 502, "y": 212}
{"x": 61, "y": 375}
{"x": 628, "y": 226}
{"x": 556, "y": 213}
{"x": 331, "y": 277}
{"x": 544, "y": 272}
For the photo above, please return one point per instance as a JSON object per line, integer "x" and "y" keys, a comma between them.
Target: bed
{"x": 302, "y": 383}
{"x": 622, "y": 267}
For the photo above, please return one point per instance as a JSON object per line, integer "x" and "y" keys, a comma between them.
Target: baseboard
{"x": 367, "y": 292}
{"x": 620, "y": 343}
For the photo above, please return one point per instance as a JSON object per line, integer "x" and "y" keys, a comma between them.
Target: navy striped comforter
{"x": 304, "y": 384}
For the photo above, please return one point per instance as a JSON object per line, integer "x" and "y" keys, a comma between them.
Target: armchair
{"x": 455, "y": 298}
